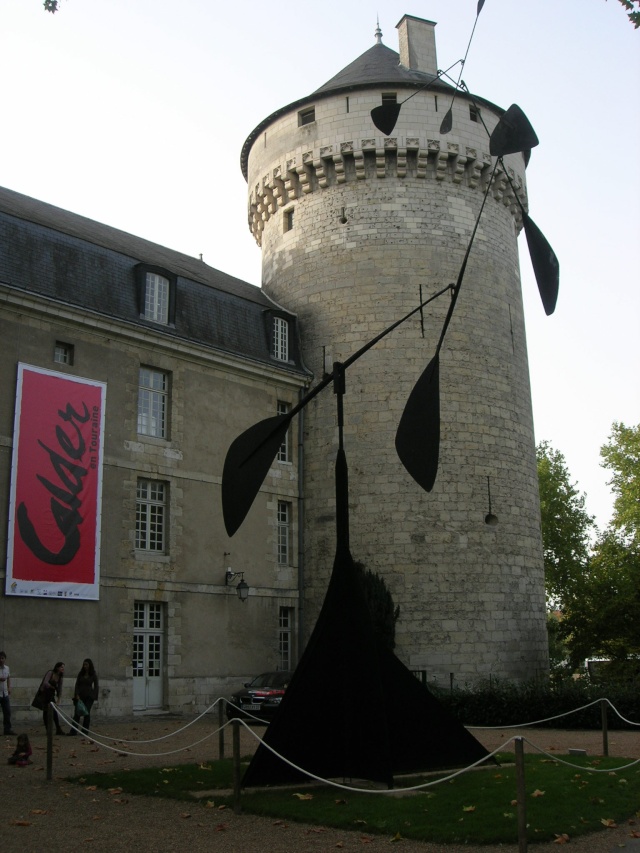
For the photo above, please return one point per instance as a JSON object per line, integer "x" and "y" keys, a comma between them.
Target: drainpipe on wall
{"x": 301, "y": 625}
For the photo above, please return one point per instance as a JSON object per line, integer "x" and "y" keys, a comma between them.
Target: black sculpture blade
{"x": 480, "y": 5}
{"x": 545, "y": 264}
{"x": 513, "y": 133}
{"x": 246, "y": 465}
{"x": 385, "y": 117}
{"x": 447, "y": 122}
{"x": 418, "y": 434}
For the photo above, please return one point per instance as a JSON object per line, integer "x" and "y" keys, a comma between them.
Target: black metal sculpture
{"x": 347, "y": 728}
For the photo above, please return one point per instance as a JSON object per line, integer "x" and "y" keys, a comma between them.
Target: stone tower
{"x": 353, "y": 225}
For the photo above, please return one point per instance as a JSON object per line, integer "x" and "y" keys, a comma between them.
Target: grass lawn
{"x": 476, "y": 807}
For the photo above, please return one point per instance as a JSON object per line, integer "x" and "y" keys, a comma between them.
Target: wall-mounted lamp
{"x": 243, "y": 587}
{"x": 490, "y": 518}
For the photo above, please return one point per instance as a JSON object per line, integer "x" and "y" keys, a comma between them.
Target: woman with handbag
{"x": 49, "y": 692}
{"x": 85, "y": 694}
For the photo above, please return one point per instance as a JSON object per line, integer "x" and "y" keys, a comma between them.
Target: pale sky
{"x": 134, "y": 112}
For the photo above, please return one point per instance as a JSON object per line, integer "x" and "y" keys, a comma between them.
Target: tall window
{"x": 280, "y": 341}
{"x": 284, "y": 533}
{"x": 156, "y": 298}
{"x": 283, "y": 451}
{"x": 285, "y": 638}
{"x": 151, "y": 516}
{"x": 153, "y": 402}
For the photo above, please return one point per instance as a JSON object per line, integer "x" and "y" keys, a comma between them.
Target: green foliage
{"x": 505, "y": 703}
{"x": 604, "y": 620}
{"x": 51, "y": 6}
{"x": 622, "y": 456}
{"x": 380, "y": 603}
{"x": 565, "y": 526}
{"x": 633, "y": 11}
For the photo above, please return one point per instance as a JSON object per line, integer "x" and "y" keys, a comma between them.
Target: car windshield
{"x": 272, "y": 679}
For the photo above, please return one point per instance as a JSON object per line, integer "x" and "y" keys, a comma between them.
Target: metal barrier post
{"x": 220, "y": 729}
{"x": 49, "y": 717}
{"x": 605, "y": 727}
{"x": 521, "y": 795}
{"x": 237, "y": 808}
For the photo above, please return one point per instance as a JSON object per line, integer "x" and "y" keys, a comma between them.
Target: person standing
{"x": 5, "y": 692}
{"x": 51, "y": 688}
{"x": 85, "y": 691}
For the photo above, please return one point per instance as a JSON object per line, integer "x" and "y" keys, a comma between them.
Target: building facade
{"x": 355, "y": 226}
{"x": 188, "y": 356}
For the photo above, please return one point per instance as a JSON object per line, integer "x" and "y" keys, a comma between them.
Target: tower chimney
{"x": 417, "y": 39}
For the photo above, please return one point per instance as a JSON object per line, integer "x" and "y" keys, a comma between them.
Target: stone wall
{"x": 374, "y": 222}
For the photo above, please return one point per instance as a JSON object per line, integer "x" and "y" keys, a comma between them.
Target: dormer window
{"x": 307, "y": 116}
{"x": 280, "y": 339}
{"x": 389, "y": 98}
{"x": 156, "y": 294}
{"x": 156, "y": 298}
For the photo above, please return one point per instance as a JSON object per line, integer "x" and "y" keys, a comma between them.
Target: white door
{"x": 148, "y": 644}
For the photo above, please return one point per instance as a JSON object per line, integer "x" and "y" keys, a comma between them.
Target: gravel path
{"x": 36, "y": 814}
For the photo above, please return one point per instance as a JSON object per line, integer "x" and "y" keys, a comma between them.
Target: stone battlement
{"x": 304, "y": 172}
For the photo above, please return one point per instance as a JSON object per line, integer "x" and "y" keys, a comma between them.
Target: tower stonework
{"x": 354, "y": 226}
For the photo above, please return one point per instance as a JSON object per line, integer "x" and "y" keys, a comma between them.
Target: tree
{"x": 604, "y": 619}
{"x": 565, "y": 527}
{"x": 380, "y": 603}
{"x": 601, "y": 617}
{"x": 622, "y": 456}
{"x": 633, "y": 13}
{"x": 51, "y": 6}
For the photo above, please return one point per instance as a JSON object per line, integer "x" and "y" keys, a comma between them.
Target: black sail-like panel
{"x": 340, "y": 715}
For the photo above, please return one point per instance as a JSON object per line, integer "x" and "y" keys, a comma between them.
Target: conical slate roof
{"x": 378, "y": 65}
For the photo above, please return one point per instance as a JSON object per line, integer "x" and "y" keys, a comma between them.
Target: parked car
{"x": 260, "y": 697}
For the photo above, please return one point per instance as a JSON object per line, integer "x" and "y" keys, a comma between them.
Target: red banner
{"x": 56, "y": 486}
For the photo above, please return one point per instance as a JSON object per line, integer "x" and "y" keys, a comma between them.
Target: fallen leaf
{"x": 513, "y": 803}
{"x": 92, "y": 787}
{"x": 341, "y": 802}
{"x": 561, "y": 839}
{"x": 339, "y": 844}
{"x": 209, "y": 804}
{"x": 185, "y": 815}
{"x": 610, "y": 824}
{"x": 38, "y": 811}
{"x": 221, "y": 827}
{"x": 468, "y": 808}
{"x": 114, "y": 790}
{"x": 361, "y": 822}
{"x": 304, "y": 796}
{"x": 397, "y": 837}
{"x": 19, "y": 823}
{"x": 538, "y": 793}
{"x": 364, "y": 839}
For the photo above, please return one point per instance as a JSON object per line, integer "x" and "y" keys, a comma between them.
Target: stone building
{"x": 188, "y": 358}
{"x": 354, "y": 226}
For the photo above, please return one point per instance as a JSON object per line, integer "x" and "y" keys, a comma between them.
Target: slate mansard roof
{"x": 59, "y": 255}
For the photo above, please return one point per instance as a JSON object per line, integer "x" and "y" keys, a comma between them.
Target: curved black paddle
{"x": 247, "y": 464}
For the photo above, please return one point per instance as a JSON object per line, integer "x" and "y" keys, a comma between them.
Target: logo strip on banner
{"x": 56, "y": 486}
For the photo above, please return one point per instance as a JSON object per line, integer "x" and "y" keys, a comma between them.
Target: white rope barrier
{"x": 556, "y": 717}
{"x": 580, "y": 766}
{"x": 90, "y": 736}
{"x": 95, "y": 738}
